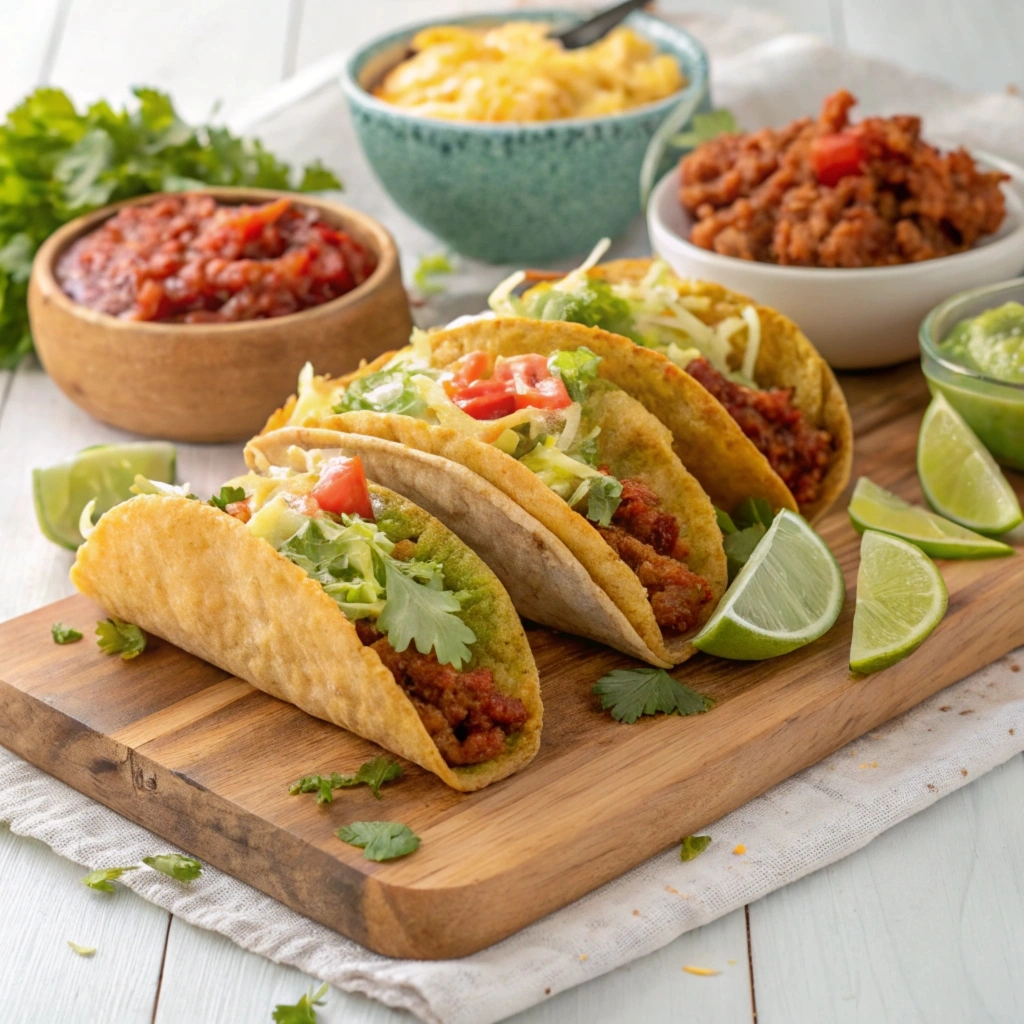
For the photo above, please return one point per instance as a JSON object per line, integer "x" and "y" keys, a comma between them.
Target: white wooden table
{"x": 924, "y": 926}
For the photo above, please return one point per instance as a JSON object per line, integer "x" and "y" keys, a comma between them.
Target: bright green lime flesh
{"x": 105, "y": 473}
{"x": 874, "y": 508}
{"x": 959, "y": 477}
{"x": 789, "y": 593}
{"x": 901, "y": 598}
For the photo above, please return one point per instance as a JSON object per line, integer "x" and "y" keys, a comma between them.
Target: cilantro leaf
{"x": 751, "y": 512}
{"x": 430, "y": 266}
{"x": 117, "y": 637}
{"x": 577, "y": 368}
{"x": 303, "y": 1011}
{"x": 417, "y": 612}
{"x": 693, "y": 846}
{"x": 630, "y": 693}
{"x": 82, "y": 950}
{"x": 57, "y": 163}
{"x": 175, "y": 865}
{"x": 374, "y": 773}
{"x": 704, "y": 127}
{"x": 101, "y": 879}
{"x": 380, "y": 840}
{"x": 740, "y": 546}
{"x": 227, "y": 496}
{"x": 725, "y": 523}
{"x": 603, "y": 498}
{"x": 64, "y": 634}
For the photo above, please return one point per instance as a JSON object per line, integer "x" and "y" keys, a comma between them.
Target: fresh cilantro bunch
{"x": 57, "y": 163}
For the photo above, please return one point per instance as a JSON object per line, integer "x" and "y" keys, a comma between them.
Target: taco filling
{"x": 323, "y": 521}
{"x": 653, "y": 312}
{"x": 544, "y": 413}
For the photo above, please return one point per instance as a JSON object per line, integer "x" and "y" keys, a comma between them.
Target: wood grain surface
{"x": 197, "y": 756}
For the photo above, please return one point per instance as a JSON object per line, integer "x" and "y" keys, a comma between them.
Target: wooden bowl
{"x": 210, "y": 382}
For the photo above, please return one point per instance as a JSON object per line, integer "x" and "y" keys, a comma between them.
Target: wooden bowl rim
{"x": 371, "y": 231}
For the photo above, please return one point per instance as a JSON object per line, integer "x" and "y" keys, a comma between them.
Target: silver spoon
{"x": 600, "y": 25}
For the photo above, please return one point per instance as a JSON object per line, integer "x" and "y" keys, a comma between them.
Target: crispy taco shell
{"x": 198, "y": 578}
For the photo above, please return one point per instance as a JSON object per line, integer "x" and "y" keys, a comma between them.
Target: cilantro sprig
{"x": 227, "y": 496}
{"x": 64, "y": 634}
{"x": 374, "y": 773}
{"x": 429, "y": 267}
{"x": 630, "y": 693}
{"x": 380, "y": 840}
{"x": 175, "y": 865}
{"x": 303, "y": 1011}
{"x": 117, "y": 637}
{"x": 57, "y": 163}
{"x": 742, "y": 531}
{"x": 102, "y": 879}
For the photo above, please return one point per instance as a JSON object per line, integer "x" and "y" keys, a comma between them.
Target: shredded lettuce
{"x": 574, "y": 478}
{"x": 577, "y": 369}
{"x": 391, "y": 390}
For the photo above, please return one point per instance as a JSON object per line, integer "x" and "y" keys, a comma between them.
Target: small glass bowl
{"x": 993, "y": 408}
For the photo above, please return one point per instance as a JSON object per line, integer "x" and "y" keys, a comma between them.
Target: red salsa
{"x": 191, "y": 259}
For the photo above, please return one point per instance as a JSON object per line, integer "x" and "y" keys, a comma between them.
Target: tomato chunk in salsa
{"x": 191, "y": 259}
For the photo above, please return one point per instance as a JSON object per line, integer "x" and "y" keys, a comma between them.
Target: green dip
{"x": 991, "y": 343}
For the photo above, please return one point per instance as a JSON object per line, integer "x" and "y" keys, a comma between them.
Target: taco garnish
{"x": 570, "y": 448}
{"x": 338, "y": 596}
{"x": 753, "y": 360}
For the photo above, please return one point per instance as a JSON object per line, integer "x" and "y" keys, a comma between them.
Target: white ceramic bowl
{"x": 856, "y": 318}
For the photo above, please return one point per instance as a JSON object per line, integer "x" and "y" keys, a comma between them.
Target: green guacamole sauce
{"x": 991, "y": 343}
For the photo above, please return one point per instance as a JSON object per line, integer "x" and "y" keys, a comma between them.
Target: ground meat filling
{"x": 797, "y": 451}
{"x": 647, "y": 540}
{"x": 463, "y": 713}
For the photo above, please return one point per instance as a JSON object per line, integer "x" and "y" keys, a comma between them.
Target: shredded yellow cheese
{"x": 703, "y": 972}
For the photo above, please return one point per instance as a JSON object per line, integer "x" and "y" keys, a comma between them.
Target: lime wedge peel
{"x": 104, "y": 473}
{"x": 901, "y": 598}
{"x": 959, "y": 477}
{"x": 874, "y": 508}
{"x": 789, "y": 593}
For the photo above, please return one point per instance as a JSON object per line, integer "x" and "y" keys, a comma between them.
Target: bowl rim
{"x": 1015, "y": 210}
{"x": 355, "y": 92}
{"x": 929, "y": 345}
{"x": 53, "y": 247}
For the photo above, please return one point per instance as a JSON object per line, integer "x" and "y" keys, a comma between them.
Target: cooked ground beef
{"x": 648, "y": 541}
{"x": 797, "y": 451}
{"x": 465, "y": 716}
{"x": 830, "y": 194}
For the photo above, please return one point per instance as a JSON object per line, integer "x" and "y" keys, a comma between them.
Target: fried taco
{"x": 576, "y": 453}
{"x": 757, "y": 364}
{"x": 342, "y": 598}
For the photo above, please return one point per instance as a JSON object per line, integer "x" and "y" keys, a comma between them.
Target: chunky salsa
{"x": 191, "y": 259}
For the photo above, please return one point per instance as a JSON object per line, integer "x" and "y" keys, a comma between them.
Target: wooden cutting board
{"x": 205, "y": 760}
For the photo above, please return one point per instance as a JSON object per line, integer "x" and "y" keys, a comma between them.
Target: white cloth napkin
{"x": 807, "y": 822}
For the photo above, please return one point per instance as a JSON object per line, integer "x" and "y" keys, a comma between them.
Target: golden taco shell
{"x": 200, "y": 579}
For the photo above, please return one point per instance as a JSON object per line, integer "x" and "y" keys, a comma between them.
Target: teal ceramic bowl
{"x": 519, "y": 193}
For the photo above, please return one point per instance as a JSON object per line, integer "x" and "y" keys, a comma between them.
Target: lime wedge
{"x": 789, "y": 593}
{"x": 901, "y": 598}
{"x": 960, "y": 479}
{"x": 104, "y": 472}
{"x": 874, "y": 508}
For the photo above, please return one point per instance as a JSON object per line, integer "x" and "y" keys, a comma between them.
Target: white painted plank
{"x": 24, "y": 43}
{"x": 43, "y": 906}
{"x": 923, "y": 926}
{"x": 976, "y": 45}
{"x": 201, "y": 52}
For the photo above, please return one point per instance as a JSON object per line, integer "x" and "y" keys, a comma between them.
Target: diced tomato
{"x": 533, "y": 383}
{"x": 472, "y": 366}
{"x": 240, "y": 509}
{"x": 342, "y": 487}
{"x": 486, "y": 399}
{"x": 836, "y": 156}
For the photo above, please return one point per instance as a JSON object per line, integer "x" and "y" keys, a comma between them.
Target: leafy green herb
{"x": 303, "y": 1011}
{"x": 603, "y": 499}
{"x": 101, "y": 880}
{"x": 380, "y": 840}
{"x": 57, "y": 163}
{"x": 175, "y": 865}
{"x": 725, "y": 523}
{"x": 117, "y": 637}
{"x": 740, "y": 546}
{"x": 227, "y": 496}
{"x": 630, "y": 693}
{"x": 64, "y": 634}
{"x": 82, "y": 950}
{"x": 693, "y": 846}
{"x": 593, "y": 304}
{"x": 373, "y": 773}
{"x": 388, "y": 391}
{"x": 751, "y": 512}
{"x": 429, "y": 267}
{"x": 424, "y": 614}
{"x": 577, "y": 368}
{"x": 705, "y": 127}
